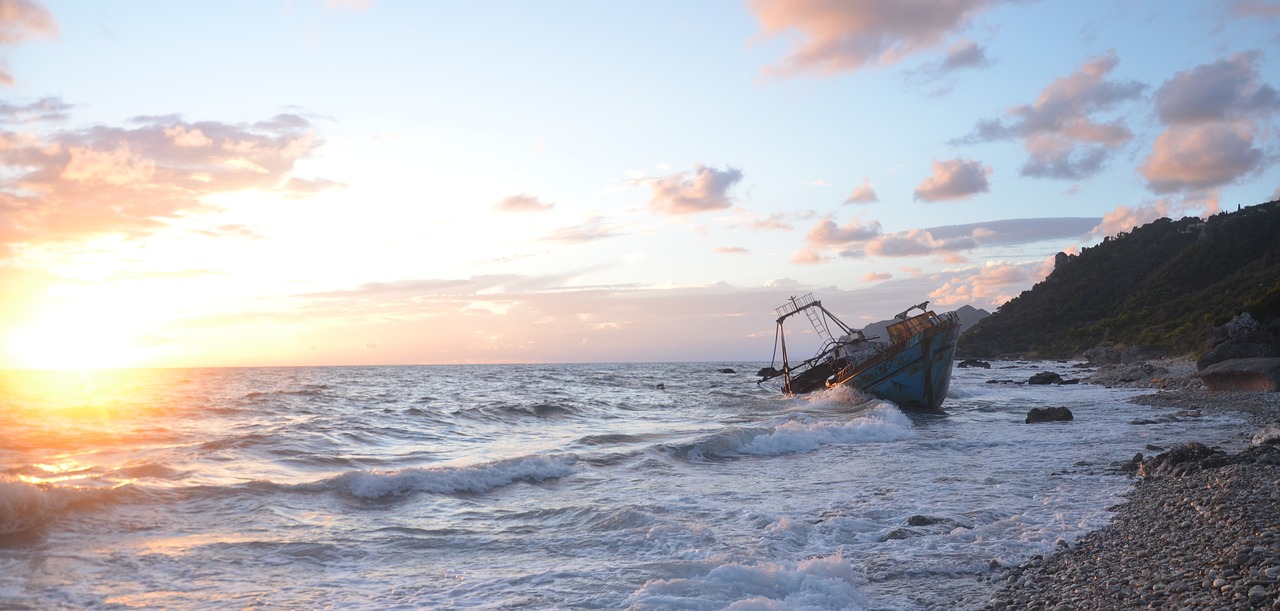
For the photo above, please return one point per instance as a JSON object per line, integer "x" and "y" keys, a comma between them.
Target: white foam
{"x": 817, "y": 583}
{"x": 883, "y": 423}
{"x": 453, "y": 480}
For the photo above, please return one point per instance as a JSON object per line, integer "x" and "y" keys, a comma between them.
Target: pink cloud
{"x": 991, "y": 285}
{"x": 522, "y": 203}
{"x": 707, "y": 189}
{"x": 862, "y": 194}
{"x": 954, "y": 179}
{"x": 731, "y": 250}
{"x": 22, "y": 20}
{"x": 876, "y": 276}
{"x": 69, "y": 184}
{"x": 1200, "y": 157}
{"x": 1062, "y": 131}
{"x": 807, "y": 256}
{"x": 835, "y": 37}
{"x": 825, "y": 233}
{"x": 1211, "y": 137}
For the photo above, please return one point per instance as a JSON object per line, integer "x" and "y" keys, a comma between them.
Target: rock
{"x": 924, "y": 521}
{"x": 898, "y": 534}
{"x": 1045, "y": 377}
{"x": 974, "y": 363}
{"x": 1049, "y": 414}
{"x": 1256, "y": 374}
{"x": 1241, "y": 338}
{"x": 727, "y": 370}
{"x": 1180, "y": 461}
{"x": 1268, "y": 435}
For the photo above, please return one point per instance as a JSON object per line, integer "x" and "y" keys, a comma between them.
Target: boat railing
{"x": 795, "y": 304}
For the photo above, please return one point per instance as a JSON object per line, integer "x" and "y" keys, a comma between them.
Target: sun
{"x": 74, "y": 338}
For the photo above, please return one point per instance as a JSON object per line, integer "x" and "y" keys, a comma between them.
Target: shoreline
{"x": 1199, "y": 529}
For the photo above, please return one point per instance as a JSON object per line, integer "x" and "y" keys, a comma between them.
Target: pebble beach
{"x": 1200, "y": 529}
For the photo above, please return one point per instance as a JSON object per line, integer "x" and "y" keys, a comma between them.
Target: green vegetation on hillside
{"x": 1161, "y": 287}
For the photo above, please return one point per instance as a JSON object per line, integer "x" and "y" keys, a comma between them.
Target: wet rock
{"x": 1049, "y": 414}
{"x": 1180, "y": 461}
{"x": 973, "y": 363}
{"x": 727, "y": 370}
{"x": 1045, "y": 377}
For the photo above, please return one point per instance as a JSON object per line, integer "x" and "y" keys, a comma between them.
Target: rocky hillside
{"x": 1162, "y": 287}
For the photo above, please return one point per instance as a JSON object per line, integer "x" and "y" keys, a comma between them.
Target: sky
{"x": 368, "y": 182}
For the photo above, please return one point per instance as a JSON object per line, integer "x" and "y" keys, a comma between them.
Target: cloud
{"x": 807, "y": 256}
{"x": 44, "y": 109}
{"x": 301, "y": 187}
{"x": 22, "y": 20}
{"x": 991, "y": 285}
{"x": 1254, "y": 9}
{"x": 1193, "y": 158}
{"x": 523, "y": 203}
{"x": 1062, "y": 131}
{"x": 1011, "y": 232}
{"x": 839, "y": 37}
{"x": 66, "y": 184}
{"x": 705, "y": 189}
{"x": 916, "y": 242}
{"x": 862, "y": 194}
{"x": 731, "y": 250}
{"x": 826, "y": 234}
{"x": 1227, "y": 89}
{"x": 1212, "y": 112}
{"x": 876, "y": 276}
{"x": 591, "y": 230}
{"x": 937, "y": 78}
{"x": 954, "y": 179}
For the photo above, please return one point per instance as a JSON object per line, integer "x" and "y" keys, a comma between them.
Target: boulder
{"x": 1241, "y": 338}
{"x": 1049, "y": 414}
{"x": 727, "y": 370}
{"x": 1268, "y": 435}
{"x": 1257, "y": 374}
{"x": 974, "y": 363}
{"x": 1189, "y": 458}
{"x": 1045, "y": 377}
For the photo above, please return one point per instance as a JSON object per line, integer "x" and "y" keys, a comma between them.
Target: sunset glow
{"x": 404, "y": 182}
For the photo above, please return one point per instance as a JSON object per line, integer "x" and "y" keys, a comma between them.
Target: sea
{"x": 562, "y": 486}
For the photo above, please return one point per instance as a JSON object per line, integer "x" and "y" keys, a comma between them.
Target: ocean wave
{"x": 505, "y": 412}
{"x": 818, "y": 583}
{"x": 881, "y": 423}
{"x": 25, "y": 507}
{"x": 474, "y": 479}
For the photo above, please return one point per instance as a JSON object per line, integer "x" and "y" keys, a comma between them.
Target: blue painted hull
{"x": 914, "y": 374}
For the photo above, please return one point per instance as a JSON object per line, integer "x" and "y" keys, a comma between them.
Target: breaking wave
{"x": 472, "y": 479}
{"x": 881, "y": 423}
{"x": 817, "y": 583}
